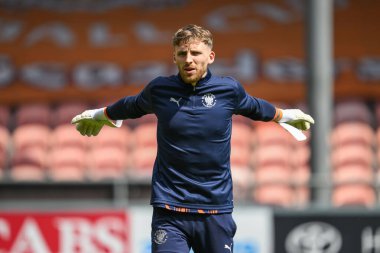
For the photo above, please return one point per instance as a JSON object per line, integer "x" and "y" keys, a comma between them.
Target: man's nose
{"x": 188, "y": 58}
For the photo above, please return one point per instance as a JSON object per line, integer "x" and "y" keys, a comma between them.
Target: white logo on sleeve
{"x": 175, "y": 100}
{"x": 160, "y": 236}
{"x": 228, "y": 247}
{"x": 208, "y": 100}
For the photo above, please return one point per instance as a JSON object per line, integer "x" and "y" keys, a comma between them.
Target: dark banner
{"x": 329, "y": 233}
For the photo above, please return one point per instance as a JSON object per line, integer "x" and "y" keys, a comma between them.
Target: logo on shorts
{"x": 160, "y": 236}
{"x": 208, "y": 100}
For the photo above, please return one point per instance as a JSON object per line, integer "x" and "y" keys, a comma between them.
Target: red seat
{"x": 4, "y": 115}
{"x": 107, "y": 162}
{"x": 4, "y": 146}
{"x": 33, "y": 114}
{"x": 67, "y": 163}
{"x": 352, "y": 173}
{"x": 66, "y": 135}
{"x": 113, "y": 137}
{"x": 273, "y": 173}
{"x": 279, "y": 195}
{"x": 271, "y": 154}
{"x": 356, "y": 194}
{"x": 241, "y": 135}
{"x": 272, "y": 133}
{"x": 352, "y": 154}
{"x": 142, "y": 161}
{"x": 352, "y": 133}
{"x": 64, "y": 112}
{"x": 27, "y": 172}
{"x": 352, "y": 110}
{"x": 240, "y": 156}
{"x": 31, "y": 135}
{"x": 145, "y": 135}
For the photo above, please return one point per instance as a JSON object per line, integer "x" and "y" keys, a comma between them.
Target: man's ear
{"x": 211, "y": 57}
{"x": 174, "y": 59}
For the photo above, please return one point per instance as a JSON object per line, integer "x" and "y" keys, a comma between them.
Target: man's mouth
{"x": 189, "y": 70}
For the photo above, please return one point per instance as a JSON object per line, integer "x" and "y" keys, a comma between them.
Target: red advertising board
{"x": 64, "y": 232}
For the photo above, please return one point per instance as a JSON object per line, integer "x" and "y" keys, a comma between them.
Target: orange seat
{"x": 300, "y": 155}
{"x": 240, "y": 155}
{"x": 4, "y": 146}
{"x": 33, "y": 114}
{"x": 145, "y": 135}
{"x": 142, "y": 161}
{"x": 272, "y": 133}
{"x": 301, "y": 175}
{"x": 107, "y": 162}
{"x": 4, "y": 115}
{"x": 353, "y": 195}
{"x": 352, "y": 133}
{"x": 67, "y": 163}
{"x": 64, "y": 112}
{"x": 113, "y": 137}
{"x": 271, "y": 154}
{"x": 352, "y": 173}
{"x": 66, "y": 135}
{"x": 352, "y": 110}
{"x": 35, "y": 156}
{"x": 27, "y": 172}
{"x": 241, "y": 135}
{"x": 273, "y": 173}
{"x": 31, "y": 135}
{"x": 279, "y": 195}
{"x": 352, "y": 154}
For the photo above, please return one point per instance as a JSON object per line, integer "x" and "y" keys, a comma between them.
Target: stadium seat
{"x": 107, "y": 163}
{"x": 353, "y": 110}
{"x": 113, "y": 137}
{"x": 33, "y": 114}
{"x": 301, "y": 196}
{"x": 352, "y": 132}
{"x": 30, "y": 156}
{"x": 27, "y": 173}
{"x": 5, "y": 116}
{"x": 300, "y": 154}
{"x": 271, "y": 154}
{"x": 241, "y": 177}
{"x": 31, "y": 135}
{"x": 271, "y": 133}
{"x": 144, "y": 135}
{"x": 353, "y": 173}
{"x": 352, "y": 154}
{"x": 4, "y": 146}
{"x": 273, "y": 173}
{"x": 354, "y": 195}
{"x": 240, "y": 155}
{"x": 67, "y": 163}
{"x": 276, "y": 195}
{"x": 142, "y": 161}
{"x": 241, "y": 135}
{"x": 64, "y": 112}
{"x": 301, "y": 175}
{"x": 66, "y": 135}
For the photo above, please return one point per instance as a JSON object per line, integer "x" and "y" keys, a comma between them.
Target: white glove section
{"x": 296, "y": 118}
{"x": 90, "y": 122}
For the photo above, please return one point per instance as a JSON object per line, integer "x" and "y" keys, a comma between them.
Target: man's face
{"x": 192, "y": 59}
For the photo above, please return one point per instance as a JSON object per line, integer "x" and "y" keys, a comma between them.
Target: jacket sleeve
{"x": 131, "y": 107}
{"x": 252, "y": 107}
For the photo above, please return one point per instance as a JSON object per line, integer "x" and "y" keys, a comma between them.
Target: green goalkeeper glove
{"x": 90, "y": 122}
{"x": 296, "y": 118}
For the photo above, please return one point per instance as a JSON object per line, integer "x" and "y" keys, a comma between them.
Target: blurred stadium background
{"x": 61, "y": 192}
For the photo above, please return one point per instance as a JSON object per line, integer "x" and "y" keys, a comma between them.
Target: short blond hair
{"x": 192, "y": 32}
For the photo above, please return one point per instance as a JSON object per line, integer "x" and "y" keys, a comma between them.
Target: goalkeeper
{"x": 191, "y": 183}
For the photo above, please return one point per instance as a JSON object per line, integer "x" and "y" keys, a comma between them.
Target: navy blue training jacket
{"x": 192, "y": 168}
